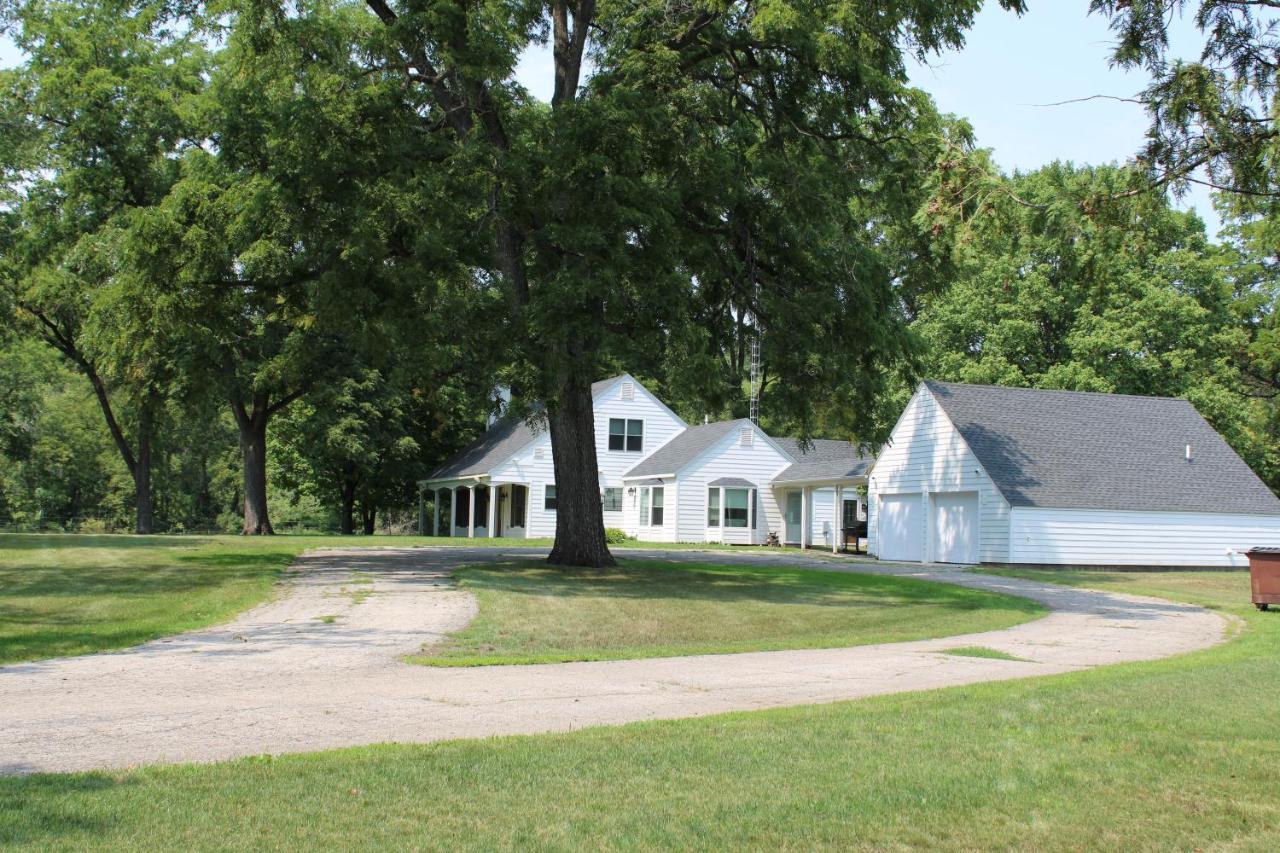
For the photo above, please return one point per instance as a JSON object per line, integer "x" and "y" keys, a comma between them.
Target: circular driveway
{"x": 281, "y": 679}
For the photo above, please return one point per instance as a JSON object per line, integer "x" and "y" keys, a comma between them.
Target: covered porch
{"x": 823, "y": 512}
{"x": 473, "y": 507}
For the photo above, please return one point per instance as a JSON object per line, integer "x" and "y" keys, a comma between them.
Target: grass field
{"x": 1180, "y": 754}
{"x": 532, "y": 613}
{"x": 75, "y": 594}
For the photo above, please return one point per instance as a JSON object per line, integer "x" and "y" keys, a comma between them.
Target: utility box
{"x": 1264, "y": 573}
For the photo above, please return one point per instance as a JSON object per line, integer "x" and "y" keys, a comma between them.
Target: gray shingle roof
{"x": 733, "y": 483}
{"x": 1074, "y": 449}
{"x": 684, "y": 448}
{"x": 497, "y": 444}
{"x": 824, "y": 459}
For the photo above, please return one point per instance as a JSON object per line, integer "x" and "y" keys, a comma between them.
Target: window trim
{"x": 716, "y": 519}
{"x": 550, "y": 501}
{"x": 604, "y": 499}
{"x": 655, "y": 492}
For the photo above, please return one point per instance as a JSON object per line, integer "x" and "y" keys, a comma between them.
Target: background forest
{"x": 238, "y": 255}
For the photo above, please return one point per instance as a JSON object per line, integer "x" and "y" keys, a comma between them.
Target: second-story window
{"x": 626, "y": 434}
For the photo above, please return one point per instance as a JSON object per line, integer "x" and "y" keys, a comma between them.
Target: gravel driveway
{"x": 282, "y": 679}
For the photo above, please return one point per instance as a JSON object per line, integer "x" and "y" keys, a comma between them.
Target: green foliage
{"x": 1213, "y": 119}
{"x": 1080, "y": 278}
{"x": 615, "y": 536}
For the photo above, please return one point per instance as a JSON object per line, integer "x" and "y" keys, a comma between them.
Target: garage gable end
{"x": 926, "y": 456}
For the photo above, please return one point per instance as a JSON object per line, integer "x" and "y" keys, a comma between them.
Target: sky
{"x": 1009, "y": 68}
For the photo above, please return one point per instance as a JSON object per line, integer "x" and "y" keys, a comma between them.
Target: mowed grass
{"x": 76, "y": 594}
{"x": 534, "y": 613}
{"x": 1174, "y": 754}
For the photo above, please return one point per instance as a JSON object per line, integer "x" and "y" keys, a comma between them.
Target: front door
{"x": 795, "y": 513}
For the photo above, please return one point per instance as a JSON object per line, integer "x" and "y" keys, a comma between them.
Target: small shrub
{"x": 94, "y": 525}
{"x": 615, "y": 536}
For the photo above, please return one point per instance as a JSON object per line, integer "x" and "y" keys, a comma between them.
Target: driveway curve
{"x": 280, "y": 678}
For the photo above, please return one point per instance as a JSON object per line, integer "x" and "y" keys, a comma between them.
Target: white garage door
{"x": 901, "y": 528}
{"x": 955, "y": 527}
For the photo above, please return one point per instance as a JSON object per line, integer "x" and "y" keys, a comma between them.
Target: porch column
{"x": 471, "y": 511}
{"x": 806, "y": 516}
{"x": 443, "y": 529}
{"x": 837, "y": 520}
{"x": 422, "y": 510}
{"x": 493, "y": 510}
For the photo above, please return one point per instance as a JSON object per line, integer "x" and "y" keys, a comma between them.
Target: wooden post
{"x": 806, "y": 518}
{"x": 422, "y": 510}
{"x": 837, "y": 520}
{"x": 493, "y": 511}
{"x": 471, "y": 511}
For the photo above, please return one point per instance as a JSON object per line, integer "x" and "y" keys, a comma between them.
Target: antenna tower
{"x": 754, "y": 409}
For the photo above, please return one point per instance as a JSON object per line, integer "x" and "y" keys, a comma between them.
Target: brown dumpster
{"x": 1264, "y": 572}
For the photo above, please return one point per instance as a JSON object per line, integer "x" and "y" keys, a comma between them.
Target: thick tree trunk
{"x": 348, "y": 503}
{"x": 579, "y": 517}
{"x": 252, "y": 426}
{"x": 144, "y": 521}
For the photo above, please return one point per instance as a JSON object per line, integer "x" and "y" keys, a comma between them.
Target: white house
{"x": 976, "y": 473}
{"x": 660, "y": 479}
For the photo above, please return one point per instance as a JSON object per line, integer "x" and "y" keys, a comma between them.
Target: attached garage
{"x": 955, "y": 527}
{"x": 983, "y": 474}
{"x": 901, "y": 527}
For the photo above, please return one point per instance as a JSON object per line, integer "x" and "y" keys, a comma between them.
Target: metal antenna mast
{"x": 754, "y": 410}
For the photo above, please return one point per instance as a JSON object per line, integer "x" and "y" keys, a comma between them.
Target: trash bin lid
{"x": 1266, "y": 550}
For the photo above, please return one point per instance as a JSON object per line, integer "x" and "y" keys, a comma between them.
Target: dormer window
{"x": 626, "y": 434}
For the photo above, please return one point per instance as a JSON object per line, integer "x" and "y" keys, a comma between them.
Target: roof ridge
{"x": 1108, "y": 394}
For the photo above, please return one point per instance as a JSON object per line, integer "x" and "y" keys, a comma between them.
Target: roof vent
{"x": 1188, "y": 453}
{"x": 537, "y": 453}
{"x": 746, "y": 436}
{"x": 628, "y": 390}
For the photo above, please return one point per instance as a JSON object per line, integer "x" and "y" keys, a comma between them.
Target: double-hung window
{"x": 626, "y": 434}
{"x": 549, "y": 498}
{"x": 651, "y": 500}
{"x": 713, "y": 507}
{"x": 656, "y": 516}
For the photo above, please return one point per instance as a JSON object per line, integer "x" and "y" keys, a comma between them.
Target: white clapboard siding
{"x": 758, "y": 462}
{"x": 1110, "y": 537}
{"x": 533, "y": 465}
{"x": 925, "y": 453}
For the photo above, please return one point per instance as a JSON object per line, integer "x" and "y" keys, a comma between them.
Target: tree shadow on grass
{"x": 43, "y": 810}
{"x": 729, "y": 584}
{"x": 114, "y": 541}
{"x": 187, "y": 573}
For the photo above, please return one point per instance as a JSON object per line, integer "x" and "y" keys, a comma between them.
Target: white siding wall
{"x": 660, "y": 425}
{"x": 927, "y": 454}
{"x": 1109, "y": 537}
{"x": 759, "y": 463}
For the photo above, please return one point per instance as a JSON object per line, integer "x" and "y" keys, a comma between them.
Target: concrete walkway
{"x": 280, "y": 679}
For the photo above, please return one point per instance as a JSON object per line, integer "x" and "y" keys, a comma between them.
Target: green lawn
{"x": 1180, "y": 754}
{"x": 533, "y": 613}
{"x": 75, "y": 594}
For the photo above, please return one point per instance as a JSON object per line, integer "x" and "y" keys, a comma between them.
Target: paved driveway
{"x": 279, "y": 679}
